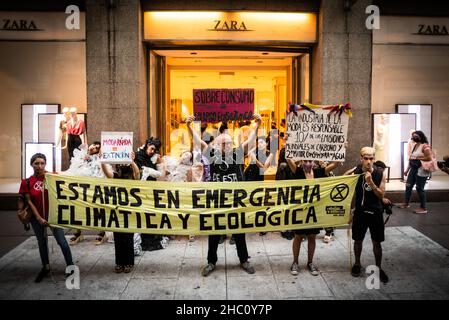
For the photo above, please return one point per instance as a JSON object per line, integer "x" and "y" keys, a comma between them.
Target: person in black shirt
{"x": 368, "y": 213}
{"x": 123, "y": 241}
{"x": 226, "y": 166}
{"x": 305, "y": 170}
{"x": 148, "y": 157}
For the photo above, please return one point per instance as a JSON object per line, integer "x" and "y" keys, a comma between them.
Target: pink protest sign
{"x": 215, "y": 105}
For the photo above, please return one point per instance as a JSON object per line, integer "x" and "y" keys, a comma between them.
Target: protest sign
{"x": 116, "y": 147}
{"x": 318, "y": 134}
{"x": 186, "y": 208}
{"x": 215, "y": 105}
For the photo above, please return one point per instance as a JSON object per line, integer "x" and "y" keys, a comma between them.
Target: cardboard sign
{"x": 116, "y": 147}
{"x": 215, "y": 105}
{"x": 318, "y": 135}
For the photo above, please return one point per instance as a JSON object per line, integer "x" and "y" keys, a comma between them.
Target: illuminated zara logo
{"x": 229, "y": 25}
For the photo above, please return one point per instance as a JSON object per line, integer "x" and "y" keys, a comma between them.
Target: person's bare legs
{"x": 377, "y": 250}
{"x": 296, "y": 247}
{"x": 311, "y": 244}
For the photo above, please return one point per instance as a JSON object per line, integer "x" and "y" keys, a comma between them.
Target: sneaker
{"x": 356, "y": 270}
{"x": 118, "y": 269}
{"x": 403, "y": 205}
{"x": 248, "y": 267}
{"x": 420, "y": 211}
{"x": 327, "y": 238}
{"x": 294, "y": 269}
{"x": 41, "y": 275}
{"x": 207, "y": 269}
{"x": 313, "y": 269}
{"x": 232, "y": 241}
{"x": 383, "y": 276}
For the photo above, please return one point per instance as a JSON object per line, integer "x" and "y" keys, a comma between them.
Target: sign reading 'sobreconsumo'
{"x": 216, "y": 105}
{"x": 116, "y": 147}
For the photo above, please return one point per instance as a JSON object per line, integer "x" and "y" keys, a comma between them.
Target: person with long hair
{"x": 123, "y": 242}
{"x": 37, "y": 199}
{"x": 416, "y": 175}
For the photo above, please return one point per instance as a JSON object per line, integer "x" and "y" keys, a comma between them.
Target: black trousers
{"x": 124, "y": 248}
{"x": 240, "y": 243}
{"x": 73, "y": 141}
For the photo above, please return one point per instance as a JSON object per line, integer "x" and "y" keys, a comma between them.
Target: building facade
{"x": 133, "y": 65}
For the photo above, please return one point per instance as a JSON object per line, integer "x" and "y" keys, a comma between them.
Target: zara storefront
{"x": 136, "y": 63}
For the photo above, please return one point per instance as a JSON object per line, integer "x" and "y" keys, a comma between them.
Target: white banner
{"x": 116, "y": 147}
{"x": 316, "y": 135}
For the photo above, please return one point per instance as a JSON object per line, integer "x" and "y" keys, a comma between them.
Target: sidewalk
{"x": 417, "y": 266}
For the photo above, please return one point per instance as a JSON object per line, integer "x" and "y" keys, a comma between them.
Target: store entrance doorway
{"x": 276, "y": 77}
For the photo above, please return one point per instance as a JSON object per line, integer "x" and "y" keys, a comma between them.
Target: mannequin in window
{"x": 76, "y": 132}
{"x": 380, "y": 139}
{"x": 61, "y": 141}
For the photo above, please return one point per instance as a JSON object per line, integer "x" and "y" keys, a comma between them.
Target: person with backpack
{"x": 36, "y": 198}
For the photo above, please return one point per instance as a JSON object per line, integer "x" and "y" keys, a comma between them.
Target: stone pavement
{"x": 417, "y": 266}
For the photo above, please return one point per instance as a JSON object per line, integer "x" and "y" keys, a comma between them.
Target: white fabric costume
{"x": 85, "y": 165}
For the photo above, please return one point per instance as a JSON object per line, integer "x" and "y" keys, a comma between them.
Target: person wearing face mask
{"x": 305, "y": 169}
{"x": 416, "y": 175}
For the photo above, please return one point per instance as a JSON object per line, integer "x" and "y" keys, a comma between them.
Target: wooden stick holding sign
{"x": 116, "y": 147}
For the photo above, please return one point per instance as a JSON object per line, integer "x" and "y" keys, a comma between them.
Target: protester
{"x": 305, "y": 170}
{"x": 368, "y": 213}
{"x": 259, "y": 161}
{"x": 37, "y": 199}
{"x": 283, "y": 172}
{"x": 123, "y": 242}
{"x": 226, "y": 166}
{"x": 86, "y": 163}
{"x": 149, "y": 162}
{"x": 415, "y": 172}
{"x": 148, "y": 159}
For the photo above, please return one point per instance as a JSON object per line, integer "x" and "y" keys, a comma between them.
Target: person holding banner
{"x": 151, "y": 167}
{"x": 148, "y": 159}
{"x": 37, "y": 199}
{"x": 86, "y": 163}
{"x": 226, "y": 166}
{"x": 305, "y": 170}
{"x": 123, "y": 242}
{"x": 259, "y": 161}
{"x": 368, "y": 213}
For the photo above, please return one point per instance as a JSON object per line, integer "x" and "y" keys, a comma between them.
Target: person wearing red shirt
{"x": 37, "y": 199}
